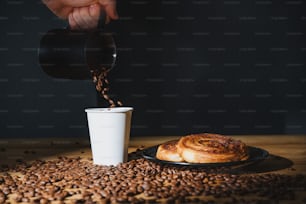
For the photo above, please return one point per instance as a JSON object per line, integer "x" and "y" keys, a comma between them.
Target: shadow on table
{"x": 271, "y": 163}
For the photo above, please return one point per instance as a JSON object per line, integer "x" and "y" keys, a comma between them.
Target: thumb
{"x": 109, "y": 7}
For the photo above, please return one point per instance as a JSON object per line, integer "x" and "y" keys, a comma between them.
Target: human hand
{"x": 83, "y": 14}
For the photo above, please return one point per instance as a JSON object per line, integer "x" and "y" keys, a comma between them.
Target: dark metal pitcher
{"x": 71, "y": 54}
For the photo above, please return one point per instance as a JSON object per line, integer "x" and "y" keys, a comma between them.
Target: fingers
{"x": 72, "y": 22}
{"x": 87, "y": 17}
{"x": 84, "y": 18}
{"x": 73, "y": 9}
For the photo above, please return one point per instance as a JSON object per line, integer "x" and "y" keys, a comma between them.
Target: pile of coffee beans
{"x": 77, "y": 180}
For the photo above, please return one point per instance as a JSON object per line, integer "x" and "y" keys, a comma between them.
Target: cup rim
{"x": 109, "y": 110}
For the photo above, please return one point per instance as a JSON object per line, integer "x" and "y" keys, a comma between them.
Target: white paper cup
{"x": 109, "y": 131}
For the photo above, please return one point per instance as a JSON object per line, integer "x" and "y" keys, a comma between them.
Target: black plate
{"x": 255, "y": 154}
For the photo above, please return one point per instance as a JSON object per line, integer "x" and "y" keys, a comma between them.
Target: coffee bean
{"x": 2, "y": 197}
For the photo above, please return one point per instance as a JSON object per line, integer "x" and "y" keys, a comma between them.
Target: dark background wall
{"x": 230, "y": 67}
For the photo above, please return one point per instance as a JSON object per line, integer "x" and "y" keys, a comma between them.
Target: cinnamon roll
{"x": 211, "y": 148}
{"x": 168, "y": 152}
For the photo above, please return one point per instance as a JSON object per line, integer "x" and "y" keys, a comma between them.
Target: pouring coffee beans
{"x": 102, "y": 86}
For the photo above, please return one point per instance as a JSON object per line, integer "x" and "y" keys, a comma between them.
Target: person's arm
{"x": 83, "y": 14}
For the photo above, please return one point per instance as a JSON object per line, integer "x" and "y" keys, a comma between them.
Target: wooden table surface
{"x": 287, "y": 152}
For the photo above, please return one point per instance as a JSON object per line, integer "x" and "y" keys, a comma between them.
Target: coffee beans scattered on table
{"x": 76, "y": 180}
